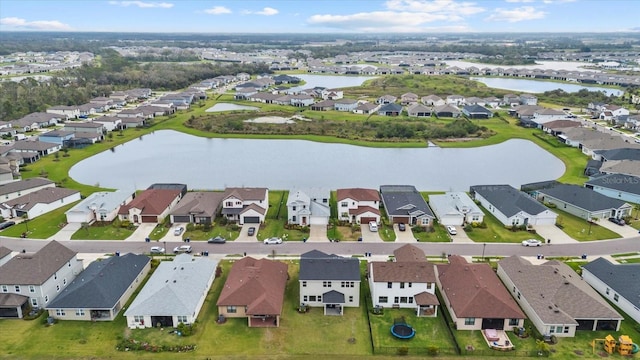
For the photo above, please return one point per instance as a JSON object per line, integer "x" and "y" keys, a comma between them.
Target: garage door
{"x": 149, "y": 219}
{"x": 366, "y": 220}
{"x": 252, "y": 220}
{"x": 319, "y": 220}
{"x": 180, "y": 219}
{"x": 398, "y": 220}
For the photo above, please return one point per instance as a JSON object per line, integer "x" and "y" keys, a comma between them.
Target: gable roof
{"x": 509, "y": 200}
{"x": 582, "y": 197}
{"x": 620, "y": 154}
{"x": 404, "y": 200}
{"x": 199, "y": 202}
{"x": 33, "y": 145}
{"x": 36, "y": 268}
{"x": 475, "y": 291}
{"x": 151, "y": 202}
{"x": 358, "y": 194}
{"x": 102, "y": 283}
{"x": 476, "y": 109}
{"x": 316, "y": 265}
{"x": 626, "y": 183}
{"x": 446, "y": 108}
{"x": 4, "y": 251}
{"x": 624, "y": 279}
{"x": 555, "y": 292}
{"x": 409, "y": 253}
{"x": 101, "y": 200}
{"x": 257, "y": 284}
{"x": 42, "y": 196}
{"x": 406, "y": 271}
{"x": 390, "y": 107}
{"x": 175, "y": 288}
{"x": 25, "y": 184}
{"x": 245, "y": 194}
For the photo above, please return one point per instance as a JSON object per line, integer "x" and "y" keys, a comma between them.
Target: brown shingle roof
{"x": 200, "y": 202}
{"x": 363, "y": 209}
{"x": 409, "y": 252}
{"x": 257, "y": 284}
{"x": 475, "y": 291}
{"x": 151, "y": 202}
{"x": 246, "y": 194}
{"x": 426, "y": 298}
{"x": 358, "y": 194}
{"x": 35, "y": 269}
{"x": 414, "y": 272}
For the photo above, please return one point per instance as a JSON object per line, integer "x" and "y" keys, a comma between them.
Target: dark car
{"x": 402, "y": 227}
{"x": 251, "y": 231}
{"x": 617, "y": 221}
{"x": 6, "y": 224}
{"x": 217, "y": 240}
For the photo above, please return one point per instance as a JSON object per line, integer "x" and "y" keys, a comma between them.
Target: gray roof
{"x": 42, "y": 196}
{"x": 622, "y": 278}
{"x": 316, "y": 265}
{"x": 102, "y": 283}
{"x": 56, "y": 133}
{"x": 404, "y": 200}
{"x": 333, "y": 297}
{"x": 509, "y": 200}
{"x": 36, "y": 268}
{"x": 25, "y": 184}
{"x": 101, "y": 200}
{"x": 620, "y": 154}
{"x": 391, "y": 107}
{"x": 83, "y": 125}
{"x": 33, "y": 145}
{"x": 474, "y": 109}
{"x": 204, "y": 203}
{"x": 582, "y": 197}
{"x": 626, "y": 183}
{"x": 4, "y": 251}
{"x": 555, "y": 292}
{"x": 175, "y": 288}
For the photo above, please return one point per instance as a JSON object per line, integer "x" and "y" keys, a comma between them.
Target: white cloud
{"x": 19, "y": 23}
{"x": 523, "y": 13}
{"x": 266, "y": 12}
{"x": 557, "y": 1}
{"x": 217, "y": 10}
{"x": 142, "y": 4}
{"x": 519, "y": 1}
{"x": 446, "y": 7}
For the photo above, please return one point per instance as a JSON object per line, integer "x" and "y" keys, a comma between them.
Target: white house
{"x": 345, "y": 105}
{"x": 99, "y": 206}
{"x": 617, "y": 186}
{"x": 358, "y": 205}
{"x": 12, "y": 190}
{"x": 308, "y": 207}
{"x": 511, "y": 206}
{"x": 245, "y": 205}
{"x": 455, "y": 208}
{"x": 40, "y": 202}
{"x": 36, "y": 278}
{"x": 110, "y": 123}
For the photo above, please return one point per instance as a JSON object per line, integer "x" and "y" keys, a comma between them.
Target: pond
{"x": 541, "y": 65}
{"x": 204, "y": 163}
{"x": 330, "y": 81}
{"x": 219, "y": 107}
{"x": 536, "y": 86}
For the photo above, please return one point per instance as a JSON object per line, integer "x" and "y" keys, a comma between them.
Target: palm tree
{"x": 636, "y": 207}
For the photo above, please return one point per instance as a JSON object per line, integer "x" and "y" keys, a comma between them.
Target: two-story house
{"x": 245, "y": 205}
{"x": 308, "y": 206}
{"x": 32, "y": 280}
{"x": 358, "y": 205}
{"x": 329, "y": 281}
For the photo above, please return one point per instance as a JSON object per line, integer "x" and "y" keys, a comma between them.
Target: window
{"x": 57, "y": 287}
{"x": 350, "y": 298}
{"x": 429, "y": 285}
{"x": 513, "y": 322}
{"x": 294, "y": 219}
{"x": 470, "y": 321}
{"x": 32, "y": 289}
{"x": 34, "y": 302}
{"x": 304, "y": 284}
{"x": 396, "y": 300}
{"x": 326, "y": 284}
{"x": 616, "y": 297}
{"x": 232, "y": 309}
{"x": 425, "y": 221}
{"x": 319, "y": 298}
{"x": 293, "y": 208}
{"x": 559, "y": 329}
{"x": 55, "y": 276}
{"x": 325, "y": 200}
{"x": 514, "y": 289}
{"x": 566, "y": 330}
{"x": 409, "y": 284}
{"x": 344, "y": 204}
{"x": 475, "y": 218}
{"x": 552, "y": 330}
{"x": 304, "y": 298}
{"x": 383, "y": 299}
{"x": 60, "y": 312}
{"x": 402, "y": 285}
{"x": 182, "y": 319}
{"x": 607, "y": 291}
{"x": 79, "y": 312}
{"x": 518, "y": 295}
{"x": 69, "y": 264}
{"x": 46, "y": 298}
{"x": 403, "y": 300}
{"x": 312, "y": 298}
{"x": 410, "y": 300}
{"x": 138, "y": 319}
{"x": 389, "y": 285}
{"x": 17, "y": 287}
{"x": 64, "y": 281}
{"x": 5, "y": 288}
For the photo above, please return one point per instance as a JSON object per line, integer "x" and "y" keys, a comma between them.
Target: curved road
{"x": 604, "y": 247}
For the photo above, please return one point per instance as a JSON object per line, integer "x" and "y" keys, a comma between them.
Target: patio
{"x": 497, "y": 339}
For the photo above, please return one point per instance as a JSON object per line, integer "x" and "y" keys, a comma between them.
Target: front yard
{"x": 41, "y": 227}
{"x": 581, "y": 229}
{"x": 496, "y": 232}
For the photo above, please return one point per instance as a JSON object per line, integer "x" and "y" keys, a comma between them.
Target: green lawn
{"x": 277, "y": 218}
{"x": 229, "y": 232}
{"x": 496, "y": 232}
{"x": 439, "y": 234}
{"x": 41, "y": 227}
{"x": 386, "y": 232}
{"x": 581, "y": 230}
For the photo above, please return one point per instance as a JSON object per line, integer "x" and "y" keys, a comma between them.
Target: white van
{"x": 373, "y": 226}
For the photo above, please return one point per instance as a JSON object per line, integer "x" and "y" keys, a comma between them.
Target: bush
{"x": 433, "y": 350}
{"x": 402, "y": 351}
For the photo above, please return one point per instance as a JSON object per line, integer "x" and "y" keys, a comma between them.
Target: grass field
{"x": 496, "y": 232}
{"x": 581, "y": 230}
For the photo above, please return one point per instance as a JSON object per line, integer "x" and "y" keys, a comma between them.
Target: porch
{"x": 497, "y": 339}
{"x": 264, "y": 321}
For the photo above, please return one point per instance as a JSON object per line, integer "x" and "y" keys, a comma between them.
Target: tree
{"x": 25, "y": 216}
{"x": 636, "y": 207}
{"x": 543, "y": 347}
{"x": 85, "y": 226}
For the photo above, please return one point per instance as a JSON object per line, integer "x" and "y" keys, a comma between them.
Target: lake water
{"x": 535, "y": 86}
{"x": 219, "y": 107}
{"x": 542, "y": 65}
{"x": 330, "y": 81}
{"x": 203, "y": 163}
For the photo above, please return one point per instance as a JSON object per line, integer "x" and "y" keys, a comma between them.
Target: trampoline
{"x": 402, "y": 330}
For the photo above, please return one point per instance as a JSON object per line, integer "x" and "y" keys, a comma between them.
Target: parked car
{"x": 531, "y": 242}
{"x": 617, "y": 221}
{"x": 157, "y": 250}
{"x": 402, "y": 227}
{"x": 6, "y": 224}
{"x": 182, "y": 249}
{"x": 452, "y": 230}
{"x": 373, "y": 226}
{"x": 177, "y": 231}
{"x": 273, "y": 241}
{"x": 251, "y": 231}
{"x": 217, "y": 240}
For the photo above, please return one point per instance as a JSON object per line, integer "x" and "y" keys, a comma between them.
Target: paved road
{"x": 590, "y": 248}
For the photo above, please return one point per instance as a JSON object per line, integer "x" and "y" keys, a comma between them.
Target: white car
{"x": 531, "y": 242}
{"x": 373, "y": 226}
{"x": 178, "y": 231}
{"x": 157, "y": 250}
{"x": 451, "y": 230}
{"x": 273, "y": 241}
{"x": 182, "y": 249}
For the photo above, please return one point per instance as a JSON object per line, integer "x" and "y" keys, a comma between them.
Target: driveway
{"x": 66, "y": 232}
{"x": 404, "y": 236}
{"x": 368, "y": 235}
{"x": 244, "y": 237}
{"x": 460, "y": 236}
{"x": 171, "y": 237}
{"x": 554, "y": 233}
{"x": 142, "y": 232}
{"x": 624, "y": 231}
{"x": 318, "y": 233}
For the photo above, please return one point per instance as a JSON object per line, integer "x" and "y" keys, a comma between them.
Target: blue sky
{"x": 322, "y": 16}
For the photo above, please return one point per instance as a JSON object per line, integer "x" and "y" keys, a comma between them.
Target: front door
{"x": 304, "y": 220}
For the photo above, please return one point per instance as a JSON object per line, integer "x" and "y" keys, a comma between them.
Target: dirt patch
{"x": 346, "y": 234}
{"x": 578, "y": 352}
{"x": 271, "y": 120}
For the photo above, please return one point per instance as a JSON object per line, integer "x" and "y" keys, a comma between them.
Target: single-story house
{"x": 99, "y": 206}
{"x": 358, "y": 205}
{"x": 200, "y": 207}
{"x": 102, "y": 289}
{"x": 556, "y": 300}
{"x": 418, "y": 110}
{"x": 345, "y": 104}
{"x": 40, "y": 202}
{"x": 455, "y": 208}
{"x": 366, "y": 108}
{"x": 617, "y": 186}
{"x": 254, "y": 289}
{"x": 324, "y": 105}
{"x": 583, "y": 202}
{"x": 56, "y": 136}
{"x": 476, "y": 112}
{"x": 446, "y": 111}
{"x": 150, "y": 206}
{"x": 40, "y": 147}
{"x": 511, "y": 206}
{"x": 93, "y": 127}
{"x": 404, "y": 204}
{"x": 12, "y": 190}
{"x": 308, "y": 206}
{"x": 174, "y": 294}
{"x": 390, "y": 109}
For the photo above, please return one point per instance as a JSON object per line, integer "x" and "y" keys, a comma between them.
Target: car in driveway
{"x": 617, "y": 221}
{"x": 272, "y": 241}
{"x": 6, "y": 224}
{"x": 217, "y": 240}
{"x": 177, "y": 231}
{"x": 531, "y": 242}
{"x": 402, "y": 227}
{"x": 373, "y": 226}
{"x": 452, "y": 230}
{"x": 157, "y": 250}
{"x": 251, "y": 231}
{"x": 182, "y": 249}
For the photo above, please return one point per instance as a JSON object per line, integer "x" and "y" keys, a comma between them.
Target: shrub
{"x": 402, "y": 351}
{"x": 433, "y": 350}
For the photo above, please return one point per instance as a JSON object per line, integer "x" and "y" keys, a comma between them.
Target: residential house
{"x": 404, "y": 204}
{"x": 492, "y": 102}
{"x": 36, "y": 120}
{"x": 556, "y": 300}
{"x": 131, "y": 113}
{"x": 302, "y": 100}
{"x": 386, "y": 99}
{"x": 83, "y": 138}
{"x": 418, "y": 110}
{"x": 557, "y": 127}
{"x": 621, "y": 167}
{"x": 41, "y": 148}
{"x": 174, "y": 294}
{"x": 5, "y": 255}
{"x": 101, "y": 290}
{"x": 618, "y": 283}
{"x": 199, "y": 207}
{"x": 616, "y": 186}
{"x": 543, "y": 115}
{"x": 93, "y": 127}
{"x": 407, "y": 282}
{"x": 308, "y": 207}
{"x": 36, "y": 203}
{"x": 455, "y": 208}
{"x": 612, "y": 112}
{"x": 345, "y": 105}
{"x": 511, "y": 100}
{"x": 408, "y": 98}
{"x": 475, "y": 296}
{"x": 329, "y": 281}
{"x": 56, "y": 136}
{"x": 625, "y": 153}
{"x": 31, "y": 280}
{"x": 133, "y": 122}
{"x": 324, "y": 105}
{"x": 366, "y": 108}
{"x": 332, "y": 94}
{"x": 583, "y": 202}
{"x": 254, "y": 289}
{"x": 391, "y": 109}
{"x": 109, "y": 123}
{"x": 511, "y": 206}
{"x": 476, "y": 112}
{"x": 433, "y": 100}
{"x": 358, "y": 205}
{"x": 150, "y": 206}
{"x": 245, "y": 205}
{"x": 528, "y": 99}
{"x": 473, "y": 100}
{"x": 456, "y": 100}
{"x": 99, "y": 206}
{"x": 12, "y": 190}
{"x": 68, "y": 111}
{"x": 446, "y": 111}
